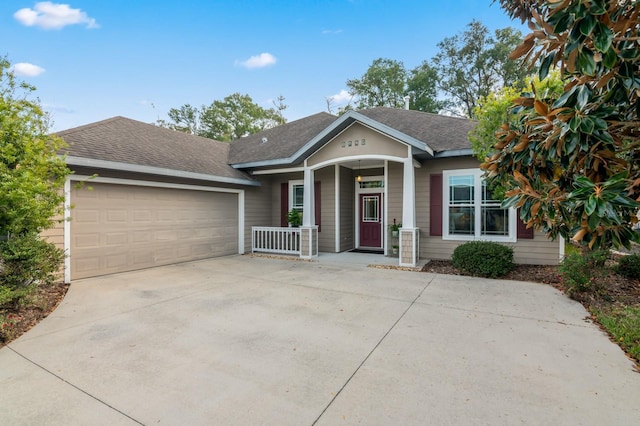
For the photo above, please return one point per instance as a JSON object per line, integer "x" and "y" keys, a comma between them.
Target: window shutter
{"x": 316, "y": 201}
{"x": 435, "y": 207}
{"x": 523, "y": 232}
{"x": 284, "y": 203}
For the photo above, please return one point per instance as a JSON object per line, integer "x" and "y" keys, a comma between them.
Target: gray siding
{"x": 257, "y": 209}
{"x": 538, "y": 251}
{"x": 395, "y": 200}
{"x": 347, "y": 197}
{"x": 327, "y": 234}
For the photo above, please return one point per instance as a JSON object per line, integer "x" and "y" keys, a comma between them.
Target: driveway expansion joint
{"x": 413, "y": 302}
{"x": 79, "y": 389}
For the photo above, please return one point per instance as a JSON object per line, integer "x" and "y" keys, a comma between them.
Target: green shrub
{"x": 629, "y": 266}
{"x": 26, "y": 261}
{"x": 483, "y": 259}
{"x": 580, "y": 271}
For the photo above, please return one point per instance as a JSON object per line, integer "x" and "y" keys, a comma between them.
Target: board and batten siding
{"x": 538, "y": 250}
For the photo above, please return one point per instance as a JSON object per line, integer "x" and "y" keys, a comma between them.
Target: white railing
{"x": 270, "y": 239}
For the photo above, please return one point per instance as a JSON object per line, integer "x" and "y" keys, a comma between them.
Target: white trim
{"x": 385, "y": 220}
{"x": 135, "y": 182}
{"x": 477, "y": 175}
{"x": 358, "y": 192}
{"x": 292, "y": 183}
{"x": 277, "y": 171}
{"x": 454, "y": 153}
{"x": 67, "y": 230}
{"x": 150, "y": 184}
{"x": 358, "y": 157}
{"x": 408, "y": 193}
{"x": 114, "y": 165}
{"x": 241, "y": 224}
{"x": 561, "y": 252}
{"x": 336, "y": 179}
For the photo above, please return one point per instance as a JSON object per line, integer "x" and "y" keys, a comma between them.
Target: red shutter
{"x": 435, "y": 207}
{"x": 284, "y": 203}
{"x": 316, "y": 201}
{"x": 523, "y": 232}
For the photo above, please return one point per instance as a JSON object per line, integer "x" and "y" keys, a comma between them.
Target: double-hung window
{"x": 296, "y": 195}
{"x": 471, "y": 212}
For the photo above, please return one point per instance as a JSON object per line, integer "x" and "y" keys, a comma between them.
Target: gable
{"x": 358, "y": 140}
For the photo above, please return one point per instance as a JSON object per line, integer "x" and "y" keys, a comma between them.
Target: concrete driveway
{"x": 247, "y": 341}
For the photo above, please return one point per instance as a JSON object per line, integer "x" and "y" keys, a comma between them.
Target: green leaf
{"x": 586, "y": 62}
{"x": 610, "y": 58}
{"x": 590, "y": 205}
{"x": 574, "y": 123}
{"x": 544, "y": 66}
{"x": 586, "y": 126}
{"x": 583, "y": 97}
{"x": 602, "y": 38}
{"x": 587, "y": 25}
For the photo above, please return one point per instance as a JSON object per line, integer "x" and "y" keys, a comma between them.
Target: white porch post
{"x": 409, "y": 234}
{"x": 308, "y": 230}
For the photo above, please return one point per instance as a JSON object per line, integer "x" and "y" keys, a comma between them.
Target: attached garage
{"x": 120, "y": 227}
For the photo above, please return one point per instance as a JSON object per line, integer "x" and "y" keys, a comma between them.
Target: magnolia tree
{"x": 570, "y": 163}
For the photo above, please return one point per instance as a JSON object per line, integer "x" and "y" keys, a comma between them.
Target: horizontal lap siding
{"x": 540, "y": 250}
{"x": 257, "y": 205}
{"x": 347, "y": 213}
{"x": 327, "y": 234}
{"x": 394, "y": 202}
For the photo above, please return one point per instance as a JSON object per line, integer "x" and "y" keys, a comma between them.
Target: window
{"x": 470, "y": 210}
{"x": 296, "y": 196}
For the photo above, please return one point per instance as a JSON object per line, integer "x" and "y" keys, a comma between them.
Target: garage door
{"x": 117, "y": 228}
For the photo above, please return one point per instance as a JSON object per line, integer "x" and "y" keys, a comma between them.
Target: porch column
{"x": 409, "y": 234}
{"x": 308, "y": 230}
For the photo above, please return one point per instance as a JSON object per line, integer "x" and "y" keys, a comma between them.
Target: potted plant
{"x": 294, "y": 217}
{"x": 395, "y": 248}
{"x": 394, "y": 228}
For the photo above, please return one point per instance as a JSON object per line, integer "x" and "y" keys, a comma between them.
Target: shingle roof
{"x": 124, "y": 140}
{"x": 282, "y": 141}
{"x": 440, "y": 132}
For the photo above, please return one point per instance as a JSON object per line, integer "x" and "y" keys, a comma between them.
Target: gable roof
{"x": 281, "y": 141}
{"x": 440, "y": 132}
{"x": 430, "y": 135}
{"x": 121, "y": 142}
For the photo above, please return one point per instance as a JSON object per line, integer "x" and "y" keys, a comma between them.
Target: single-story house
{"x": 145, "y": 196}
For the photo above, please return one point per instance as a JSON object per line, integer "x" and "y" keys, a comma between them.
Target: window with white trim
{"x": 296, "y": 195}
{"x": 470, "y": 211}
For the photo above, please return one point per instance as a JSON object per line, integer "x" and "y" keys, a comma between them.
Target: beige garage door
{"x": 117, "y": 228}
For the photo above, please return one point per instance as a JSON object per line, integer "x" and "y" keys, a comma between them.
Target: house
{"x": 146, "y": 196}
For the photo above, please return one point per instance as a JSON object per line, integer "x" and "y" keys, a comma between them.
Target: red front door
{"x": 371, "y": 220}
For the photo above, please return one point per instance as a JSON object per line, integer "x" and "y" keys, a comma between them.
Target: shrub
{"x": 483, "y": 259}
{"x": 580, "y": 271}
{"x": 25, "y": 262}
{"x": 629, "y": 266}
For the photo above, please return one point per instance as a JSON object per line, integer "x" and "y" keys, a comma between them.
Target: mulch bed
{"x": 45, "y": 300}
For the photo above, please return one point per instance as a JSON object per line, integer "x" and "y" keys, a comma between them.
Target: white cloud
{"x": 53, "y": 16}
{"x": 24, "y": 69}
{"x": 258, "y": 61}
{"x": 331, "y": 31}
{"x": 341, "y": 98}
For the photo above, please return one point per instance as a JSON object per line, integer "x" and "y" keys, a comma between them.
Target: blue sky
{"x": 94, "y": 60}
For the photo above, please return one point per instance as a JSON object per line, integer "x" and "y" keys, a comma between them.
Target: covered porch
{"x": 347, "y": 203}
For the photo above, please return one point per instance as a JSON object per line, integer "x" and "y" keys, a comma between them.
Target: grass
{"x": 623, "y": 324}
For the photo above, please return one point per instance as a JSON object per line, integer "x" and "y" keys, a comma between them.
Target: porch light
{"x": 359, "y": 177}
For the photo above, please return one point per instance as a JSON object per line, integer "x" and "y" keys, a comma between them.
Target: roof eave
{"x": 465, "y": 152}
{"x": 136, "y": 168}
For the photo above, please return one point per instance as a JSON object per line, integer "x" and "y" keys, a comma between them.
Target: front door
{"x": 371, "y": 220}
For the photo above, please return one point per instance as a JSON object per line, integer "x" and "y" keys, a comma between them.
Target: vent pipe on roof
{"x": 406, "y": 101}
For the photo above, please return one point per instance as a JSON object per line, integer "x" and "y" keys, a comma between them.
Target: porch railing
{"x": 269, "y": 239}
